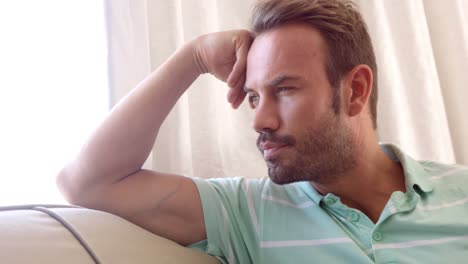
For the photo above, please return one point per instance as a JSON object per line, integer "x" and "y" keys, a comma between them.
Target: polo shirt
{"x": 258, "y": 221}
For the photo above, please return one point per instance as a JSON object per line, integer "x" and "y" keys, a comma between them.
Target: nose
{"x": 266, "y": 116}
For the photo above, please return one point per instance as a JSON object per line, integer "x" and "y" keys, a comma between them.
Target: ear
{"x": 358, "y": 87}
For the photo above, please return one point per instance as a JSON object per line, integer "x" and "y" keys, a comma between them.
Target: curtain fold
{"x": 421, "y": 48}
{"x": 411, "y": 111}
{"x": 448, "y": 27}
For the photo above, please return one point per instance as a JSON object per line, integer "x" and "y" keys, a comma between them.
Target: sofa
{"x": 67, "y": 234}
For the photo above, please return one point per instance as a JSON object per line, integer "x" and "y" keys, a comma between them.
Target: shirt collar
{"x": 416, "y": 177}
{"x": 310, "y": 191}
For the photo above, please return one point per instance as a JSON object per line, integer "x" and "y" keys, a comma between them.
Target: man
{"x": 334, "y": 195}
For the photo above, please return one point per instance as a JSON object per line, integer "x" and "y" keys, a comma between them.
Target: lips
{"x": 271, "y": 149}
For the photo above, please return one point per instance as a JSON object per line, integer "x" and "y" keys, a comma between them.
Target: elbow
{"x": 78, "y": 188}
{"x": 62, "y": 180}
{"x": 68, "y": 184}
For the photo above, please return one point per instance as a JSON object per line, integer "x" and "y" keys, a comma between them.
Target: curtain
{"x": 421, "y": 48}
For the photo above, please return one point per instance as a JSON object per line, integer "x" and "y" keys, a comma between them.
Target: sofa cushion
{"x": 65, "y": 234}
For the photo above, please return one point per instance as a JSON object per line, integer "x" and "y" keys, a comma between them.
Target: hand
{"x": 224, "y": 54}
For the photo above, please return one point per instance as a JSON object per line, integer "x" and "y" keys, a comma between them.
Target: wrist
{"x": 197, "y": 57}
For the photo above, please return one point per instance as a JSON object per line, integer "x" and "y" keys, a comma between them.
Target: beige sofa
{"x": 61, "y": 234}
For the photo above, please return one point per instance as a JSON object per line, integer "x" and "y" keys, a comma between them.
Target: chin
{"x": 282, "y": 181}
{"x": 282, "y": 175}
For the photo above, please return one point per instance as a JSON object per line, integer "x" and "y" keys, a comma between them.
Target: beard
{"x": 321, "y": 155}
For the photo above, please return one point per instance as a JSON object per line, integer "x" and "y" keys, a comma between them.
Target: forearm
{"x": 121, "y": 144}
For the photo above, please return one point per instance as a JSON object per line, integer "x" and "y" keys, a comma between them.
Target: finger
{"x": 239, "y": 100}
{"x": 239, "y": 85}
{"x": 231, "y": 95}
{"x": 240, "y": 64}
{"x": 237, "y": 89}
{"x": 241, "y": 94}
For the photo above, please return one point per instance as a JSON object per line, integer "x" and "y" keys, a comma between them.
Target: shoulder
{"x": 249, "y": 186}
{"x": 240, "y": 192}
{"x": 234, "y": 185}
{"x": 440, "y": 172}
{"x": 232, "y": 192}
{"x": 447, "y": 180}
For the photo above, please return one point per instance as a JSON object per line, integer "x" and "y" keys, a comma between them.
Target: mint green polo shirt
{"x": 258, "y": 221}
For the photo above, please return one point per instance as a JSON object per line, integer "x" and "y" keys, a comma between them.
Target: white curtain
{"x": 421, "y": 48}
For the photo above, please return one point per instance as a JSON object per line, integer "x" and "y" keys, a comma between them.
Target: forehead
{"x": 294, "y": 49}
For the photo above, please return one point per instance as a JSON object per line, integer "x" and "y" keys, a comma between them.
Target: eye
{"x": 253, "y": 100}
{"x": 283, "y": 89}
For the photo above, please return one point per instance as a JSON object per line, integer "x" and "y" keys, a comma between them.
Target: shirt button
{"x": 330, "y": 201}
{"x": 377, "y": 236}
{"x": 354, "y": 216}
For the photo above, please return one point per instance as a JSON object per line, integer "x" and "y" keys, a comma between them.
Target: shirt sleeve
{"x": 230, "y": 209}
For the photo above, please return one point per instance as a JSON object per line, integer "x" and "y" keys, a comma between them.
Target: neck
{"x": 369, "y": 185}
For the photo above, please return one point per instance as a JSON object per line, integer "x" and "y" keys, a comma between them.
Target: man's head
{"x": 310, "y": 82}
{"x": 348, "y": 43}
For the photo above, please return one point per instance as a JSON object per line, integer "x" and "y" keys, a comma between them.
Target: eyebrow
{"x": 276, "y": 81}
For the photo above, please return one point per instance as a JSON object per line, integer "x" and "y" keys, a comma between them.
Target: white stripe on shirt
{"x": 417, "y": 243}
{"x": 253, "y": 214}
{"x": 284, "y": 202}
{"x": 447, "y": 173}
{"x": 299, "y": 243}
{"x": 444, "y": 205}
{"x": 228, "y": 233}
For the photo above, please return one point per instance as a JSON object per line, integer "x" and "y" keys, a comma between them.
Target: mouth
{"x": 270, "y": 150}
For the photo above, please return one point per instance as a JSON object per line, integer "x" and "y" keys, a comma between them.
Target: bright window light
{"x": 53, "y": 91}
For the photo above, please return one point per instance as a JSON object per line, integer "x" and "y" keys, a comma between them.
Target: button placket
{"x": 330, "y": 201}
{"x": 377, "y": 236}
{"x": 354, "y": 216}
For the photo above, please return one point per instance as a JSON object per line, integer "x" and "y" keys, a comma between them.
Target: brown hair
{"x": 340, "y": 24}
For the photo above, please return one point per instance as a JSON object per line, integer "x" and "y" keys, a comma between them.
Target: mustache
{"x": 274, "y": 138}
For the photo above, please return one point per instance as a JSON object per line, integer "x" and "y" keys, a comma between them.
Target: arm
{"x": 107, "y": 174}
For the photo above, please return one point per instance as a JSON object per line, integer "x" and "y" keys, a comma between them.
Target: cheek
{"x": 298, "y": 113}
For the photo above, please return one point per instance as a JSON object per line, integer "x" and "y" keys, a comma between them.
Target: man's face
{"x": 300, "y": 136}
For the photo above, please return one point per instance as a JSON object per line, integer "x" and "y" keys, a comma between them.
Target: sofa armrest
{"x": 65, "y": 234}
